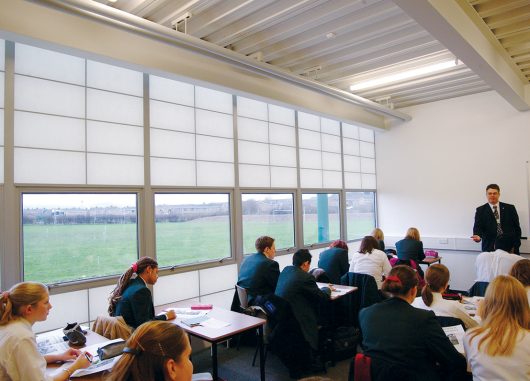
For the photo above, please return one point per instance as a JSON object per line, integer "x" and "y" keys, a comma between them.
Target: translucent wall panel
{"x": 172, "y": 117}
{"x": 331, "y": 179}
{"x": 350, "y": 146}
{"x": 253, "y": 153}
{"x": 329, "y": 126}
{"x": 114, "y": 78}
{"x": 1, "y": 165}
{"x": 217, "y": 279}
{"x": 171, "y": 91}
{"x": 281, "y": 115}
{"x": 49, "y": 167}
{"x": 280, "y": 134}
{"x": 172, "y": 144}
{"x": 115, "y": 169}
{"x": 98, "y": 301}
{"x": 350, "y": 131}
{"x": 310, "y": 159}
{"x": 2, "y": 81}
{"x": 115, "y": 138}
{"x": 47, "y": 131}
{"x": 251, "y": 129}
{"x": 352, "y": 163}
{"x": 47, "y": 64}
{"x": 330, "y": 143}
{"x": 254, "y": 176}
{"x": 366, "y": 135}
{"x": 310, "y": 178}
{"x": 252, "y": 108}
{"x": 282, "y": 156}
{"x": 368, "y": 181}
{"x": 213, "y": 100}
{"x": 215, "y": 149}
{"x": 63, "y": 312}
{"x": 331, "y": 161}
{"x": 367, "y": 149}
{"x": 172, "y": 172}
{"x": 49, "y": 97}
{"x": 2, "y": 54}
{"x": 112, "y": 107}
{"x": 215, "y": 174}
{"x": 352, "y": 180}
{"x": 221, "y": 299}
{"x": 214, "y": 123}
{"x": 282, "y": 177}
{"x": 165, "y": 292}
{"x": 367, "y": 165}
{"x": 1, "y": 127}
{"x": 309, "y": 139}
{"x": 308, "y": 121}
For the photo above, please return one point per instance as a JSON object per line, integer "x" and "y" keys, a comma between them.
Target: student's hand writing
{"x": 69, "y": 354}
{"x": 170, "y": 314}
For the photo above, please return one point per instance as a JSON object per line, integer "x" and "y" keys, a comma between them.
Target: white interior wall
{"x": 433, "y": 170}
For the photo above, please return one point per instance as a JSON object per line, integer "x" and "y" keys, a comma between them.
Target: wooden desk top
{"x": 92, "y": 338}
{"x": 237, "y": 323}
{"x": 341, "y": 290}
{"x": 430, "y": 260}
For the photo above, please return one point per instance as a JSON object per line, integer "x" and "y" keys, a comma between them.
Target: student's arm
{"x": 421, "y": 253}
{"x": 460, "y": 313}
{"x": 386, "y": 265}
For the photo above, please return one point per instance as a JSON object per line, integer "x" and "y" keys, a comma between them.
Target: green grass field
{"x": 58, "y": 253}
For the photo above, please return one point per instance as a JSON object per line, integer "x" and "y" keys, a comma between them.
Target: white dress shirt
{"x": 375, "y": 264}
{"x": 442, "y": 307}
{"x": 484, "y": 367}
{"x": 491, "y": 264}
{"x": 19, "y": 358}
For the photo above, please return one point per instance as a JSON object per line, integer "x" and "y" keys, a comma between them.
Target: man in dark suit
{"x": 136, "y": 302}
{"x": 334, "y": 261}
{"x": 259, "y": 272}
{"x": 494, "y": 219}
{"x": 300, "y": 290}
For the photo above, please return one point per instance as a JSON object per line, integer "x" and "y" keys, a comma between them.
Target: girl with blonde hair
{"x": 499, "y": 349}
{"x": 380, "y": 237}
{"x": 156, "y": 351}
{"x": 21, "y": 307}
{"x": 436, "y": 282}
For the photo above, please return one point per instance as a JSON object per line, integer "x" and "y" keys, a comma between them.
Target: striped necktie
{"x": 496, "y": 215}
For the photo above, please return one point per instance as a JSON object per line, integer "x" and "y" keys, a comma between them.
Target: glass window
{"x": 321, "y": 216}
{"x": 267, "y": 214}
{"x": 192, "y": 227}
{"x": 69, "y": 237}
{"x": 360, "y": 214}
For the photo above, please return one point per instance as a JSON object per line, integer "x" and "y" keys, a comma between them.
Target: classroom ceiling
{"x": 346, "y": 42}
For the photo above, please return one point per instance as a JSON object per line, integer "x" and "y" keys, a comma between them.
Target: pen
{"x": 88, "y": 356}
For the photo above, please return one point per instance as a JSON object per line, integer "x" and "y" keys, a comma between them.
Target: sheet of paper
{"x": 96, "y": 367}
{"x": 201, "y": 377}
{"x": 214, "y": 323}
{"x": 187, "y": 313}
{"x": 51, "y": 342}
{"x": 456, "y": 336}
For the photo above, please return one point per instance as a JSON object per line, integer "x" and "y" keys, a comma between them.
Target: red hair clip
{"x": 393, "y": 278}
{"x": 135, "y": 266}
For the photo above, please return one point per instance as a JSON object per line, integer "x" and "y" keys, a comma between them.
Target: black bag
{"x": 345, "y": 342}
{"x": 111, "y": 350}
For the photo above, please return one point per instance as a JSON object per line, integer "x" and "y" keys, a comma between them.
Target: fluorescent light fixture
{"x": 404, "y": 75}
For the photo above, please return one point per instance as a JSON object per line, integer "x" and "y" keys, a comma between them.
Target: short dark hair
{"x": 505, "y": 242}
{"x": 368, "y": 244}
{"x": 493, "y": 186}
{"x": 301, "y": 256}
{"x": 263, "y": 242}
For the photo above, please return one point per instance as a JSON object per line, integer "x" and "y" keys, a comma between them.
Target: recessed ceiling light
{"x": 404, "y": 75}
{"x": 331, "y": 35}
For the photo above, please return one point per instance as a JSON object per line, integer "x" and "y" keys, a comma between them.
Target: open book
{"x": 456, "y": 336}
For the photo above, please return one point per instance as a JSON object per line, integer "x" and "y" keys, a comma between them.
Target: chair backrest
{"x": 478, "y": 289}
{"x": 243, "y": 296}
{"x": 360, "y": 368}
{"x": 366, "y": 295}
{"x": 450, "y": 321}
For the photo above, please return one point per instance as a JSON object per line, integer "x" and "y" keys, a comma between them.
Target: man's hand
{"x": 476, "y": 238}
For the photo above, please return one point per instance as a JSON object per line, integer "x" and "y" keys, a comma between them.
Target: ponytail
{"x": 436, "y": 278}
{"x": 137, "y": 267}
{"x": 426, "y": 294}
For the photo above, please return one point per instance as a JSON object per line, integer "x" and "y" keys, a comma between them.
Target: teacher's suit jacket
{"x": 334, "y": 262}
{"x": 486, "y": 226}
{"x": 409, "y": 339}
{"x": 258, "y": 275}
{"x": 136, "y": 304}
{"x": 300, "y": 290}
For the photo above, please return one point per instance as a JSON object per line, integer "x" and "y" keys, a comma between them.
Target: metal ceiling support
{"x": 137, "y": 25}
{"x": 451, "y": 23}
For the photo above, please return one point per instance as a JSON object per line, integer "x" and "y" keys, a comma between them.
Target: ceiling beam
{"x": 453, "y": 24}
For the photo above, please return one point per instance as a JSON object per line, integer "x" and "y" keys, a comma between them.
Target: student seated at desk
{"x": 334, "y": 261}
{"x": 21, "y": 307}
{"x": 404, "y": 342}
{"x": 370, "y": 260}
{"x": 411, "y": 248}
{"x": 380, "y": 237}
{"x": 436, "y": 282}
{"x": 132, "y": 299}
{"x": 521, "y": 271}
{"x": 500, "y": 348}
{"x": 156, "y": 351}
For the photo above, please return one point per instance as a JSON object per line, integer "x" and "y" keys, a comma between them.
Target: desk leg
{"x": 214, "y": 361}
{"x": 261, "y": 354}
